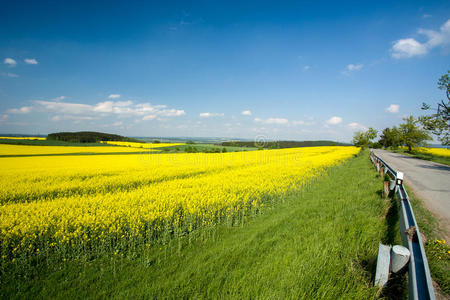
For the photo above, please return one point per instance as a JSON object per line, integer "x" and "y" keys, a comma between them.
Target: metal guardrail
{"x": 420, "y": 284}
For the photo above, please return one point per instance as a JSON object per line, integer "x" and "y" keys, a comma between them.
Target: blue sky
{"x": 284, "y": 70}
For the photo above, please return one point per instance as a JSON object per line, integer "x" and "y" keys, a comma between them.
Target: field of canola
{"x": 23, "y": 150}
{"x": 434, "y": 151}
{"x": 59, "y": 204}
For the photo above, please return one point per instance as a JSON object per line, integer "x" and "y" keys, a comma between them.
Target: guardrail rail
{"x": 420, "y": 284}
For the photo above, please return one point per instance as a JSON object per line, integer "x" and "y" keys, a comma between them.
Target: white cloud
{"x": 334, "y": 120}
{"x": 393, "y": 108}
{"x": 298, "y": 122}
{"x": 355, "y": 125}
{"x": 63, "y": 107}
{"x": 3, "y": 117}
{"x": 426, "y": 16}
{"x": 277, "y": 121}
{"x": 10, "y": 61}
{"x": 12, "y": 75}
{"x": 102, "y": 109}
{"x": 246, "y": 113}
{"x": 409, "y": 47}
{"x": 119, "y": 123}
{"x": 352, "y": 67}
{"x": 76, "y": 118}
{"x": 210, "y": 115}
{"x": 21, "y": 110}
{"x": 31, "y": 61}
{"x": 114, "y": 96}
{"x": 306, "y": 68}
{"x": 149, "y": 117}
{"x": 406, "y": 48}
{"x": 60, "y": 98}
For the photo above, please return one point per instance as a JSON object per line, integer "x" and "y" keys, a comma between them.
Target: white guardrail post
{"x": 393, "y": 259}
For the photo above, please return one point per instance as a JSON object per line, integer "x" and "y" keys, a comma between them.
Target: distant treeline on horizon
{"x": 282, "y": 144}
{"x": 88, "y": 137}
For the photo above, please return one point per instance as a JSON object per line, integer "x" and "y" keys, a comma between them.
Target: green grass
{"x": 320, "y": 243}
{"x": 426, "y": 156}
{"x": 437, "y": 255}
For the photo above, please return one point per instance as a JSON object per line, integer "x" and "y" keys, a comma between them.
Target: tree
{"x": 413, "y": 135}
{"x": 439, "y": 122}
{"x": 391, "y": 138}
{"x": 363, "y": 138}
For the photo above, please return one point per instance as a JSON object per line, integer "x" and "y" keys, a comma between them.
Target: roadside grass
{"x": 426, "y": 156}
{"x": 320, "y": 243}
{"x": 436, "y": 248}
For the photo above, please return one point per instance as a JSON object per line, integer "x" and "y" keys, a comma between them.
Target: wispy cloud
{"x": 277, "y": 121}
{"x": 306, "y": 68}
{"x": 114, "y": 96}
{"x": 21, "y": 110}
{"x": 10, "y": 61}
{"x": 410, "y": 47}
{"x": 60, "y": 98}
{"x": 12, "y": 75}
{"x": 334, "y": 120}
{"x": 393, "y": 108}
{"x": 352, "y": 68}
{"x": 355, "y": 125}
{"x": 30, "y": 61}
{"x": 146, "y": 111}
{"x": 246, "y": 113}
{"x": 210, "y": 115}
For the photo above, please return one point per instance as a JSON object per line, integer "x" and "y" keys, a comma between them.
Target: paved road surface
{"x": 430, "y": 181}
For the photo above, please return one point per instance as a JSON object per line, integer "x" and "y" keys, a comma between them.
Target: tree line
{"x": 88, "y": 137}
{"x": 414, "y": 132}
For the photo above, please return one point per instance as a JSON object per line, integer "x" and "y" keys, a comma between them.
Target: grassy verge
{"x": 436, "y": 248}
{"x": 321, "y": 242}
{"x": 426, "y": 156}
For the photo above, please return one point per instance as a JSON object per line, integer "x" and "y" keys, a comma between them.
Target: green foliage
{"x": 190, "y": 142}
{"x": 391, "y": 138}
{"x": 363, "y": 138}
{"x": 88, "y": 137}
{"x": 156, "y": 142}
{"x": 439, "y": 122}
{"x": 412, "y": 134}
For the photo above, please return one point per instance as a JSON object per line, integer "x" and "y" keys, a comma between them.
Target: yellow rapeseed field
{"x": 23, "y": 138}
{"x": 142, "y": 145}
{"x": 80, "y": 202}
{"x": 6, "y": 149}
{"x": 435, "y": 151}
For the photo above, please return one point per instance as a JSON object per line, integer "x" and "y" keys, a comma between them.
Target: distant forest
{"x": 283, "y": 144}
{"x": 88, "y": 137}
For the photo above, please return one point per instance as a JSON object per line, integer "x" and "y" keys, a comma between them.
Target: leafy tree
{"x": 439, "y": 122}
{"x": 391, "y": 138}
{"x": 412, "y": 134}
{"x": 363, "y": 138}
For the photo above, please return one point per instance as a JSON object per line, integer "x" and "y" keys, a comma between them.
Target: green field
{"x": 321, "y": 242}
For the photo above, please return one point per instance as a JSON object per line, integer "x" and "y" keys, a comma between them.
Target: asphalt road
{"x": 430, "y": 181}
